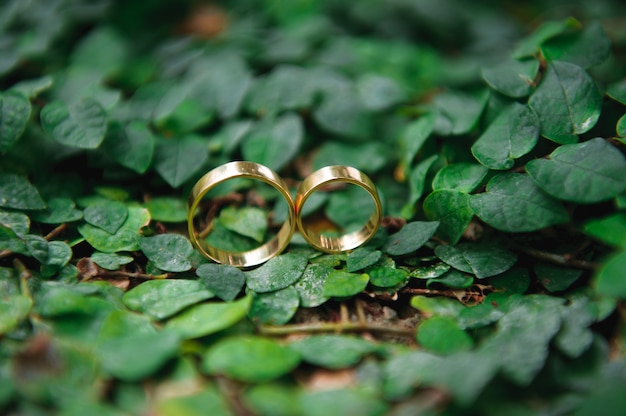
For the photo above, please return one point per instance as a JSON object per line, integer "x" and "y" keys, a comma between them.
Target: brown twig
{"x": 565, "y": 260}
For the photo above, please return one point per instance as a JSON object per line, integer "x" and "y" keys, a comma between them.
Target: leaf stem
{"x": 55, "y": 232}
{"x": 311, "y": 328}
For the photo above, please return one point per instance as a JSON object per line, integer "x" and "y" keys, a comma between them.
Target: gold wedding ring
{"x": 351, "y": 240}
{"x": 233, "y": 170}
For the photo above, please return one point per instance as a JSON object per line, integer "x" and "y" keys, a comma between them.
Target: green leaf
{"x": 610, "y": 229}
{"x": 430, "y": 272}
{"x": 223, "y": 280}
{"x": 342, "y": 113}
{"x": 167, "y": 209}
{"x": 278, "y": 273}
{"x": 459, "y": 112}
{"x": 274, "y": 308}
{"x": 549, "y": 29}
{"x": 333, "y": 351}
{"x": 13, "y": 310}
{"x": 14, "y": 114}
{"x": 247, "y": 221}
{"x": 169, "y": 252}
{"x": 350, "y": 208}
{"x": 341, "y": 401}
{"x": 575, "y": 336}
{"x": 82, "y": 124}
{"x": 131, "y": 145}
{"x": 369, "y": 156}
{"x": 453, "y": 212}
{"x": 106, "y": 215}
{"x": 343, "y": 284}
{"x": 123, "y": 355}
{"x": 513, "y": 203}
{"x": 16, "y": 221}
{"x": 587, "y": 47}
{"x": 206, "y": 401}
{"x": 620, "y": 128}
{"x": 512, "y": 78}
{"x": 361, "y": 258}
{"x": 482, "y": 260}
{"x": 512, "y": 134}
{"x": 572, "y": 172}
{"x": 567, "y": 102}
{"x": 413, "y": 138}
{"x": 272, "y": 399}
{"x": 275, "y": 144}
{"x": 555, "y": 278}
{"x": 417, "y": 178}
{"x": 617, "y": 91}
{"x": 31, "y": 88}
{"x": 378, "y": 93}
{"x": 453, "y": 279}
{"x": 384, "y": 276}
{"x": 110, "y": 261}
{"x": 208, "y": 318}
{"x": 480, "y": 315}
{"x": 410, "y": 238}
{"x": 178, "y": 159}
{"x": 250, "y": 359}
{"x": 609, "y": 280}
{"x": 16, "y": 192}
{"x": 512, "y": 281}
{"x": 522, "y": 342}
{"x": 58, "y": 211}
{"x": 462, "y": 177}
{"x": 161, "y": 299}
{"x": 442, "y": 335}
{"x": 125, "y": 239}
{"x": 285, "y": 88}
{"x": 310, "y": 286}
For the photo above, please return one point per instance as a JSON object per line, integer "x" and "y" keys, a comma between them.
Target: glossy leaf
{"x": 125, "y": 239}
{"x": 250, "y": 359}
{"x": 223, "y": 280}
{"x": 513, "y": 203}
{"x": 167, "y": 209}
{"x": 609, "y": 279}
{"x": 462, "y": 177}
{"x": 208, "y": 318}
{"x": 458, "y": 112}
{"x": 610, "y": 229}
{"x": 16, "y": 192}
{"x": 13, "y": 310}
{"x": 510, "y": 136}
{"x": 481, "y": 260}
{"x": 275, "y": 144}
{"x": 413, "y": 138}
{"x": 169, "y": 252}
{"x": 369, "y": 157}
{"x": 332, "y": 351}
{"x": 382, "y": 276}
{"x": 106, "y": 215}
{"x": 278, "y": 273}
{"x": 572, "y": 172}
{"x": 567, "y": 102}
{"x": 410, "y": 238}
{"x": 512, "y": 78}
{"x": 110, "y": 261}
{"x": 274, "y": 308}
{"x": 161, "y": 299}
{"x": 555, "y": 278}
{"x": 453, "y": 279}
{"x": 361, "y": 258}
{"x": 453, "y": 212}
{"x": 58, "y": 211}
{"x": 247, "y": 221}
{"x": 82, "y": 124}
{"x": 132, "y": 146}
{"x": 16, "y": 221}
{"x": 547, "y": 30}
{"x": 587, "y": 47}
{"x": 14, "y": 114}
{"x": 438, "y": 306}
{"x": 342, "y": 284}
{"x": 178, "y": 159}
{"x": 442, "y": 335}
{"x": 310, "y": 286}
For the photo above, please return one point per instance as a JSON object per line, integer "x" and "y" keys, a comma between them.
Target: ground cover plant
{"x": 495, "y": 134}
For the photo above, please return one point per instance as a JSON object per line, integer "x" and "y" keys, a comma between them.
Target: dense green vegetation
{"x": 494, "y": 131}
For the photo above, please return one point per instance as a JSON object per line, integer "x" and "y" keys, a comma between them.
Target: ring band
{"x": 233, "y": 170}
{"x": 324, "y": 176}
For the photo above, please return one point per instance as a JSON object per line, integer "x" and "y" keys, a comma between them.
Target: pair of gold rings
{"x": 318, "y": 179}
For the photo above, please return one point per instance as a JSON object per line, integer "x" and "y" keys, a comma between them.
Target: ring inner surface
{"x": 331, "y": 243}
